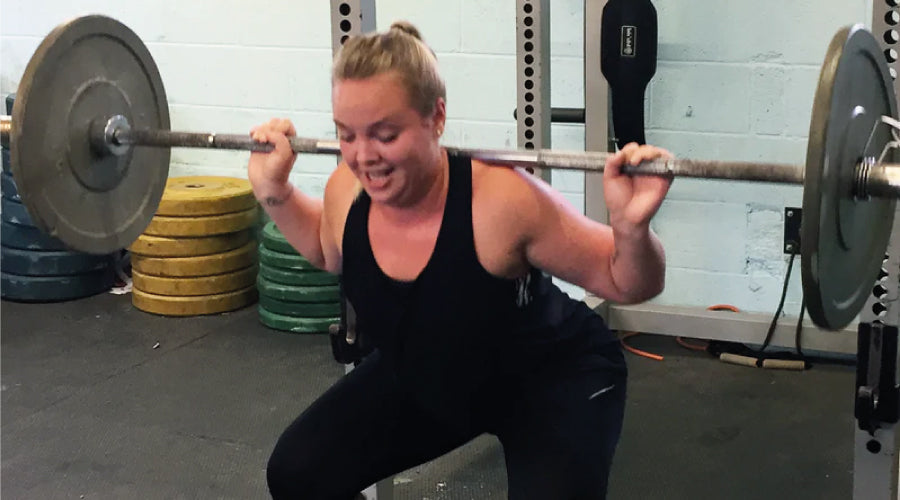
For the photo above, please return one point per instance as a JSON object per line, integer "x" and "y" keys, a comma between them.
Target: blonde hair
{"x": 401, "y": 50}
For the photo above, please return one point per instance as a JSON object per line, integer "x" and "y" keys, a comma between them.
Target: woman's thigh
{"x": 361, "y": 430}
{"x": 561, "y": 434}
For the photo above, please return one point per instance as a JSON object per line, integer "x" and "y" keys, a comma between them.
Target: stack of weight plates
{"x": 198, "y": 254}
{"x": 36, "y": 267}
{"x": 294, "y": 296}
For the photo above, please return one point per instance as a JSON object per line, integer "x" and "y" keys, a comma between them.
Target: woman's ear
{"x": 439, "y": 116}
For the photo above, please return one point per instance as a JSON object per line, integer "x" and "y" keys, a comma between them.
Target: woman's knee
{"x": 297, "y": 475}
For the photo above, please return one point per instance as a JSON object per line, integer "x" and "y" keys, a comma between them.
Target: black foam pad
{"x": 628, "y": 62}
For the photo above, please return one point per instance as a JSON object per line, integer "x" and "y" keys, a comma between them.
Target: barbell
{"x": 90, "y": 149}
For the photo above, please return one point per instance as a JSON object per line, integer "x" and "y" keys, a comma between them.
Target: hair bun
{"x": 408, "y": 28}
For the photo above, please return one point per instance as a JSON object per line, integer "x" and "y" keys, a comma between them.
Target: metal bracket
{"x": 877, "y": 394}
{"x": 345, "y": 343}
{"x": 792, "y": 218}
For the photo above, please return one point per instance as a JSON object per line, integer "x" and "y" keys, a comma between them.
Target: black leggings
{"x": 558, "y": 434}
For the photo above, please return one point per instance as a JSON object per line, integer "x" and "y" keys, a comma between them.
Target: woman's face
{"x": 388, "y": 145}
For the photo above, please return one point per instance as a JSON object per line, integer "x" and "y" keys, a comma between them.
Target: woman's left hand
{"x": 634, "y": 199}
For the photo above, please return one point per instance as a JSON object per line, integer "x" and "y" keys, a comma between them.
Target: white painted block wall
{"x": 735, "y": 80}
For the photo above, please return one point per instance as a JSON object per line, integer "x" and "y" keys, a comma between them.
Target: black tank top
{"x": 455, "y": 332}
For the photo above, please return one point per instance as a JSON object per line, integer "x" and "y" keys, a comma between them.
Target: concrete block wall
{"x": 735, "y": 80}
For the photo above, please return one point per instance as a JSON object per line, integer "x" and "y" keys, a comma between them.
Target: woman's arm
{"x": 624, "y": 261}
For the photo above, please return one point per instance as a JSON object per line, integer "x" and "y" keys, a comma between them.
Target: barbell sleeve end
{"x": 880, "y": 180}
{"x": 5, "y": 130}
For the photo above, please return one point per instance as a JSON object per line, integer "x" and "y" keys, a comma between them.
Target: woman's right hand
{"x": 268, "y": 172}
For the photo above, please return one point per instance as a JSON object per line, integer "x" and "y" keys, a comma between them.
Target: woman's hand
{"x": 268, "y": 172}
{"x": 633, "y": 200}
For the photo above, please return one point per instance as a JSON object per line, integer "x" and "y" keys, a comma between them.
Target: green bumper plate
{"x": 300, "y": 309}
{"x": 290, "y": 293}
{"x": 274, "y": 240}
{"x": 296, "y": 277}
{"x": 294, "y": 324}
{"x": 296, "y": 262}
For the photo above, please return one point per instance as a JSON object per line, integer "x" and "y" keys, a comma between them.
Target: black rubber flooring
{"x": 100, "y": 400}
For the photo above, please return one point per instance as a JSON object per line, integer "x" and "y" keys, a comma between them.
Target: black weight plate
{"x": 85, "y": 71}
{"x": 15, "y": 212}
{"x": 843, "y": 239}
{"x": 300, "y": 309}
{"x": 5, "y": 153}
{"x": 55, "y": 288}
{"x": 50, "y": 263}
{"x": 27, "y": 238}
{"x": 8, "y": 187}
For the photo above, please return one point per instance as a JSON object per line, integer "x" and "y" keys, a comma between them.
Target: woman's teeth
{"x": 380, "y": 174}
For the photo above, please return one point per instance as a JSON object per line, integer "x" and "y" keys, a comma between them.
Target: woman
{"x": 446, "y": 262}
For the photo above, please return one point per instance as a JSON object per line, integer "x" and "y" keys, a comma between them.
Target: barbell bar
{"x": 872, "y": 178}
{"x": 90, "y": 147}
{"x": 115, "y": 136}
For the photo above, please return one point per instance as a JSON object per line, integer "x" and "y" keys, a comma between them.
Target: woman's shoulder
{"x": 507, "y": 195}
{"x": 504, "y": 183}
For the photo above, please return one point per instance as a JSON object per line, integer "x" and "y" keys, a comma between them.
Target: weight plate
{"x": 292, "y": 277}
{"x": 50, "y": 263}
{"x": 187, "y": 286}
{"x": 8, "y": 187}
{"x": 294, "y": 324}
{"x": 205, "y": 195}
{"x": 161, "y": 246}
{"x": 295, "y": 261}
{"x": 55, "y": 288}
{"x": 28, "y": 238}
{"x": 204, "y": 265}
{"x": 843, "y": 238}
{"x": 84, "y": 72}
{"x": 204, "y": 225}
{"x": 326, "y": 293}
{"x": 274, "y": 240}
{"x": 15, "y": 213}
{"x": 5, "y": 153}
{"x": 300, "y": 309}
{"x": 193, "y": 306}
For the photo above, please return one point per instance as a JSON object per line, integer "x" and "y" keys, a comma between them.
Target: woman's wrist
{"x": 277, "y": 197}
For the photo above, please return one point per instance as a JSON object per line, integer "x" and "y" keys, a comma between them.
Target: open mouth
{"x": 379, "y": 177}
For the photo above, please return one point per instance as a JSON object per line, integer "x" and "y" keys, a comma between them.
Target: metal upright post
{"x": 533, "y": 76}
{"x": 876, "y": 398}
{"x": 596, "y": 119}
{"x": 596, "y": 107}
{"x": 886, "y": 28}
{"x": 875, "y": 460}
{"x": 348, "y": 18}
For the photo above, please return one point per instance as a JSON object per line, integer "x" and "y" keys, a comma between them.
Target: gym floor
{"x": 100, "y": 400}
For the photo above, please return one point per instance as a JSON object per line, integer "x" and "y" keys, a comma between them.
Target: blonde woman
{"x": 447, "y": 263}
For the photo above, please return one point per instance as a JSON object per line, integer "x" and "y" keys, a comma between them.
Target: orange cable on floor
{"x": 702, "y": 347}
{"x": 681, "y": 341}
{"x": 639, "y": 352}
